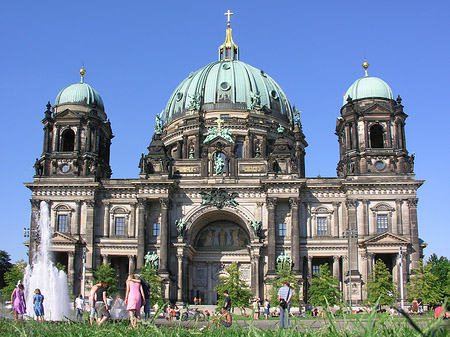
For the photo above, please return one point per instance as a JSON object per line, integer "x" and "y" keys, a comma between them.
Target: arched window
{"x": 68, "y": 141}
{"x": 376, "y": 136}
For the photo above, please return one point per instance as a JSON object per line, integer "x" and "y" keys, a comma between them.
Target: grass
{"x": 367, "y": 326}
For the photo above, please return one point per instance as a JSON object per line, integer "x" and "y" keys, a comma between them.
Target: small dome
{"x": 368, "y": 87}
{"x": 79, "y": 93}
{"x": 228, "y": 85}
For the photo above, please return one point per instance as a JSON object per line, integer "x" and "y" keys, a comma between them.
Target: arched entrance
{"x": 218, "y": 238}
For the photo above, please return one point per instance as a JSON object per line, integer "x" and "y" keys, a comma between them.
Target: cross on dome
{"x": 228, "y": 14}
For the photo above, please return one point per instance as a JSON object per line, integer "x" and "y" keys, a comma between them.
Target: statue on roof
{"x": 158, "y": 118}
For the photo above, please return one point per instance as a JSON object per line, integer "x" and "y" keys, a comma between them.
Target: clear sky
{"x": 137, "y": 52}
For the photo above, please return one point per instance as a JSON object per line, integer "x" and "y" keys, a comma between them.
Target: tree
{"x": 380, "y": 285}
{"x": 284, "y": 274}
{"x": 107, "y": 274}
{"x": 12, "y": 276}
{"x": 150, "y": 274}
{"x": 441, "y": 268}
{"x": 324, "y": 288}
{"x": 237, "y": 288}
{"x": 425, "y": 285}
{"x": 5, "y": 265}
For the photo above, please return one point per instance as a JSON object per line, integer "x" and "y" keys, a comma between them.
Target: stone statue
{"x": 191, "y": 153}
{"x": 256, "y": 226}
{"x": 296, "y": 114}
{"x": 280, "y": 129}
{"x": 181, "y": 227}
{"x": 283, "y": 259}
{"x": 37, "y": 167}
{"x": 194, "y": 104}
{"x": 152, "y": 259}
{"x": 255, "y": 101}
{"x": 143, "y": 164}
{"x": 158, "y": 118}
{"x": 218, "y": 165}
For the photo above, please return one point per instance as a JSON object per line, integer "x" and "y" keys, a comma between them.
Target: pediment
{"x": 60, "y": 238}
{"x": 376, "y": 108}
{"x": 67, "y": 114}
{"x": 385, "y": 239}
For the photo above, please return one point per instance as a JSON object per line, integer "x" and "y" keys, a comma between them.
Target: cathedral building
{"x": 224, "y": 181}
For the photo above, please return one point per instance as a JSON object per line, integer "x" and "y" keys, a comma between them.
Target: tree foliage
{"x": 5, "y": 265}
{"x": 324, "y": 288}
{"x": 284, "y": 274}
{"x": 425, "y": 285}
{"x": 380, "y": 285}
{"x": 237, "y": 288}
{"x": 150, "y": 274}
{"x": 12, "y": 276}
{"x": 440, "y": 267}
{"x": 107, "y": 274}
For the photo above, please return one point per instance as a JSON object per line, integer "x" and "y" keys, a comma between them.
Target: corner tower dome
{"x": 227, "y": 85}
{"x": 80, "y": 93}
{"x": 368, "y": 87}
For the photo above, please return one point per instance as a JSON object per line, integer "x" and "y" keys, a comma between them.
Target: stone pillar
{"x": 255, "y": 269}
{"x": 370, "y": 263}
{"x": 90, "y": 236}
{"x": 336, "y": 219}
{"x": 108, "y": 230}
{"x": 180, "y": 260}
{"x": 351, "y": 206}
{"x": 360, "y": 224}
{"x": 56, "y": 139}
{"x": 105, "y": 259}
{"x": 365, "y": 203}
{"x": 35, "y": 208}
{"x": 310, "y": 274}
{"x": 165, "y": 234}
{"x": 71, "y": 269}
{"x": 271, "y": 244}
{"x": 295, "y": 241}
{"x": 76, "y": 219}
{"x": 131, "y": 264}
{"x": 415, "y": 248}
{"x": 364, "y": 257}
{"x": 336, "y": 259}
{"x": 132, "y": 223}
{"x": 142, "y": 202}
{"x": 304, "y": 221}
{"x": 397, "y": 228}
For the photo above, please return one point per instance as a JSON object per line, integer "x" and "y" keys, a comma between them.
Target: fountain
{"x": 44, "y": 275}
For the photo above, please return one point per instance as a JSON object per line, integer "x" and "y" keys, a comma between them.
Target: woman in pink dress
{"x": 133, "y": 298}
{"x": 18, "y": 300}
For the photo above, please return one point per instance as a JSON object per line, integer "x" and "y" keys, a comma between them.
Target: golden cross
{"x": 219, "y": 122}
{"x": 228, "y": 14}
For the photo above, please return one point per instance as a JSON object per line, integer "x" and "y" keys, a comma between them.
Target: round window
{"x": 179, "y": 96}
{"x": 379, "y": 165}
{"x": 225, "y": 86}
{"x": 226, "y": 66}
{"x": 65, "y": 168}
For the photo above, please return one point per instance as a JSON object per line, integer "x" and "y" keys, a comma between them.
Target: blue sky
{"x": 137, "y": 52}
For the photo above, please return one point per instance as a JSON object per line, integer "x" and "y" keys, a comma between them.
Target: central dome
{"x": 228, "y": 85}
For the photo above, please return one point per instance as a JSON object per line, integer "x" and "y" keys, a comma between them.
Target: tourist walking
{"x": 147, "y": 293}
{"x": 79, "y": 307}
{"x": 284, "y": 297}
{"x": 266, "y": 308}
{"x": 18, "y": 301}
{"x": 133, "y": 298}
{"x": 227, "y": 301}
{"x": 93, "y": 312}
{"x": 101, "y": 303}
{"x": 255, "y": 307}
{"x": 38, "y": 305}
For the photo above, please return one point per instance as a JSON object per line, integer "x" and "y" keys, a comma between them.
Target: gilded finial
{"x": 228, "y": 14}
{"x": 82, "y": 73}
{"x": 365, "y": 65}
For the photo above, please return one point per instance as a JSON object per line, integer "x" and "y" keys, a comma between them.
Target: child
{"x": 38, "y": 305}
{"x": 18, "y": 301}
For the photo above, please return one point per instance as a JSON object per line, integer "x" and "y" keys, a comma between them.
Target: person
{"x": 195, "y": 300}
{"x": 255, "y": 307}
{"x": 284, "y": 294}
{"x": 415, "y": 306}
{"x": 79, "y": 306}
{"x": 315, "y": 312}
{"x": 199, "y": 301}
{"x": 227, "y": 301}
{"x": 93, "y": 312}
{"x": 18, "y": 301}
{"x": 147, "y": 293}
{"x": 226, "y": 322}
{"x": 177, "y": 312}
{"x": 419, "y": 300}
{"x": 38, "y": 305}
{"x": 133, "y": 298}
{"x": 266, "y": 308}
{"x": 101, "y": 303}
{"x": 117, "y": 310}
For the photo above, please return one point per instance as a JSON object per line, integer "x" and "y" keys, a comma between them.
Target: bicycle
{"x": 194, "y": 314}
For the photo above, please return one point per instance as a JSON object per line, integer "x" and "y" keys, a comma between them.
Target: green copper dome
{"x": 368, "y": 87}
{"x": 79, "y": 93}
{"x": 228, "y": 85}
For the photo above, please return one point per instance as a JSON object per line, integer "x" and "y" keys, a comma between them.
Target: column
{"x": 164, "y": 249}
{"x": 304, "y": 223}
{"x": 35, "y": 206}
{"x": 142, "y": 202}
{"x": 351, "y": 206}
{"x": 76, "y": 219}
{"x": 255, "y": 269}
{"x": 131, "y": 264}
{"x": 364, "y": 257}
{"x": 310, "y": 268}
{"x": 180, "y": 258}
{"x": 295, "y": 242}
{"x": 370, "y": 263}
{"x": 132, "y": 223}
{"x": 397, "y": 228}
{"x": 360, "y": 224}
{"x": 105, "y": 259}
{"x": 70, "y": 269}
{"x": 56, "y": 139}
{"x": 365, "y": 203}
{"x": 271, "y": 237}
{"x": 406, "y": 222}
{"x": 415, "y": 254}
{"x": 108, "y": 230}
{"x": 90, "y": 236}
{"x": 336, "y": 219}
{"x": 336, "y": 259}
